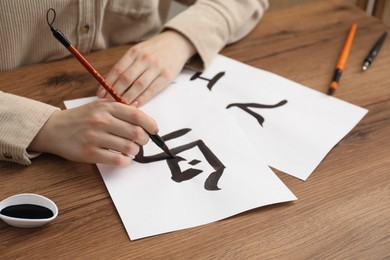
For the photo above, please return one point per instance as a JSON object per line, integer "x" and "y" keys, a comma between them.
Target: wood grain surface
{"x": 343, "y": 209}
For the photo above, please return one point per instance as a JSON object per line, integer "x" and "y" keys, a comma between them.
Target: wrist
{"x": 43, "y": 142}
{"x": 186, "y": 46}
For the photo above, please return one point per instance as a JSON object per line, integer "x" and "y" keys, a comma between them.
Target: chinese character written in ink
{"x": 178, "y": 175}
{"x": 246, "y": 106}
{"x": 211, "y": 82}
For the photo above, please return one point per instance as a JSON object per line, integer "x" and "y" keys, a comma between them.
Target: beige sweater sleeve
{"x": 20, "y": 119}
{"x": 210, "y": 25}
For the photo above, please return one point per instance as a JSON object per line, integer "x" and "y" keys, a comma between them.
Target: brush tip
{"x": 168, "y": 152}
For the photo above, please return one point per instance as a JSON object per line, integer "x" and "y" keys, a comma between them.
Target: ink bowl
{"x": 27, "y": 210}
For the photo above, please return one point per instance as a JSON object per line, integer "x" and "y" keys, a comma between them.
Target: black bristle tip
{"x": 167, "y": 151}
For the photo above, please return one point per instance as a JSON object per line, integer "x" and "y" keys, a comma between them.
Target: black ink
{"x": 28, "y": 211}
{"x": 211, "y": 81}
{"x": 246, "y": 106}
{"x": 178, "y": 175}
{"x": 194, "y": 162}
{"x": 161, "y": 143}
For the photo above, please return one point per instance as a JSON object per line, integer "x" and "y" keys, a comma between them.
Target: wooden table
{"x": 343, "y": 209}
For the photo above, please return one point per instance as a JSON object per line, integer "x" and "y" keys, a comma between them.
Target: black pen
{"x": 374, "y": 51}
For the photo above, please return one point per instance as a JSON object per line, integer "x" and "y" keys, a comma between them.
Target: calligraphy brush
{"x": 158, "y": 140}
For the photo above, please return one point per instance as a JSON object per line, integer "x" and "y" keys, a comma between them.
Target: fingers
{"x": 128, "y": 77}
{"x": 126, "y": 71}
{"x": 141, "y": 69}
{"x": 121, "y": 138}
{"x": 107, "y": 157}
{"x": 137, "y": 78}
{"x": 102, "y": 131}
{"x": 129, "y": 132}
{"x": 139, "y": 83}
{"x": 149, "y": 66}
{"x": 139, "y": 123}
{"x": 100, "y": 146}
{"x": 115, "y": 143}
{"x": 138, "y": 86}
{"x": 154, "y": 88}
{"x": 111, "y": 140}
{"x": 115, "y": 73}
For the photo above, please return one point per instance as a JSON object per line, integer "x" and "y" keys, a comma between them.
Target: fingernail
{"x": 155, "y": 131}
{"x": 135, "y": 103}
{"x": 101, "y": 93}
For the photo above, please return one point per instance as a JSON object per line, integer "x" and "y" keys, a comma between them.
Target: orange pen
{"x": 342, "y": 60}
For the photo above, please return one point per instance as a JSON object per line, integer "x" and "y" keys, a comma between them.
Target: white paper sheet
{"x": 149, "y": 202}
{"x": 297, "y": 134}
